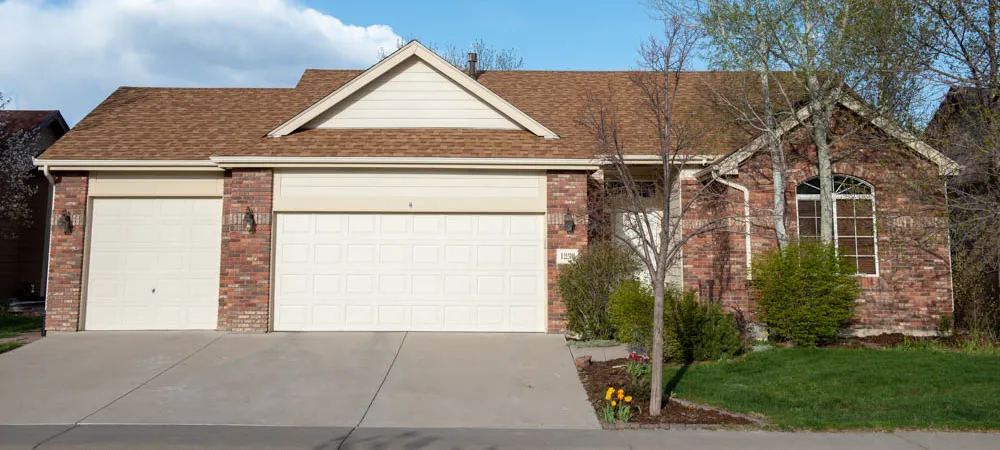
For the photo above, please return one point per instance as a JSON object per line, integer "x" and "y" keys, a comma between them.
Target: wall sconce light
{"x": 568, "y": 223}
{"x": 65, "y": 222}
{"x": 249, "y": 222}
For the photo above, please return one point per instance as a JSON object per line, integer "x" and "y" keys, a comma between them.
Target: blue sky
{"x": 91, "y": 47}
{"x": 550, "y": 35}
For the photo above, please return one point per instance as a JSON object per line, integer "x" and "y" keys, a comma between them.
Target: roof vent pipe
{"x": 473, "y": 57}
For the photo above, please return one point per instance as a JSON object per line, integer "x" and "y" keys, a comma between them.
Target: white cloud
{"x": 71, "y": 55}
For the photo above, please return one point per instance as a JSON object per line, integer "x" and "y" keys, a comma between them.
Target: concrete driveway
{"x": 435, "y": 380}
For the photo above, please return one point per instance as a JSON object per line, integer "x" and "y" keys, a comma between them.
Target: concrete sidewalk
{"x": 226, "y": 437}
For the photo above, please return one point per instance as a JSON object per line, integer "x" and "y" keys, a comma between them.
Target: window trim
{"x": 836, "y": 231}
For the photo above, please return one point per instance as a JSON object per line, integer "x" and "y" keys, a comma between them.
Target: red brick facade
{"x": 567, "y": 193}
{"x": 245, "y": 277}
{"x": 913, "y": 288}
{"x": 65, "y": 285}
{"x": 911, "y": 293}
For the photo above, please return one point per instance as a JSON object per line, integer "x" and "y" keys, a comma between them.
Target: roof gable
{"x": 413, "y": 95}
{"x": 347, "y": 106}
{"x": 731, "y": 162}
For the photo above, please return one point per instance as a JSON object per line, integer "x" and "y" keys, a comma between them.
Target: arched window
{"x": 854, "y": 214}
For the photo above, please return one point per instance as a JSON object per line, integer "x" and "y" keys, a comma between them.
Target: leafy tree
{"x": 17, "y": 147}
{"x": 826, "y": 51}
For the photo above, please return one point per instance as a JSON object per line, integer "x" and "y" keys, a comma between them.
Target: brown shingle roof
{"x": 23, "y": 120}
{"x": 194, "y": 124}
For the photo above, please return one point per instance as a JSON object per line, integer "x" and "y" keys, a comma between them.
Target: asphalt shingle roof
{"x": 194, "y": 124}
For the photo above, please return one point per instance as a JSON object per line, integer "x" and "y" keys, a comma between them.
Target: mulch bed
{"x": 889, "y": 340}
{"x": 600, "y": 375}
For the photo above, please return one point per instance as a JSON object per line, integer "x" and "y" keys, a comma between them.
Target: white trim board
{"x": 729, "y": 164}
{"x": 413, "y": 49}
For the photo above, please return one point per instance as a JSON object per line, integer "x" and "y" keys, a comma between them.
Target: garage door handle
{"x": 154, "y": 290}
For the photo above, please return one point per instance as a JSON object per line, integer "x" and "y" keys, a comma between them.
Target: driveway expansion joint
{"x": 377, "y": 390}
{"x": 44, "y": 441}
{"x": 144, "y": 383}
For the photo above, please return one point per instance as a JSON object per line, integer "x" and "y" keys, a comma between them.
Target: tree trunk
{"x": 777, "y": 162}
{"x": 656, "y": 355}
{"x": 820, "y": 131}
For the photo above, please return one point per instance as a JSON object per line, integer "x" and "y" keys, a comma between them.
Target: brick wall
{"x": 913, "y": 289}
{"x": 66, "y": 254}
{"x": 245, "y": 284}
{"x": 566, "y": 191}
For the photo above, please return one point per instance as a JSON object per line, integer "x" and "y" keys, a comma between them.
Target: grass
{"x": 6, "y": 347}
{"x": 593, "y": 343}
{"x": 838, "y": 389}
{"x": 11, "y": 325}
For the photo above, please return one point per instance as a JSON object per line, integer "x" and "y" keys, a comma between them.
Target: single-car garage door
{"x": 154, "y": 264}
{"x": 430, "y": 272}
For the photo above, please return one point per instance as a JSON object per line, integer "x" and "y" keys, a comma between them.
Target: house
{"x": 963, "y": 127}
{"x": 22, "y": 259}
{"x": 409, "y": 196}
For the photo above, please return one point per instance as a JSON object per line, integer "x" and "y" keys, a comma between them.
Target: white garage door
{"x": 154, "y": 264}
{"x": 430, "y": 272}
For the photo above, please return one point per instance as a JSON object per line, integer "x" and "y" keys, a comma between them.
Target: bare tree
{"x": 17, "y": 147}
{"x": 649, "y": 206}
{"x": 965, "y": 47}
{"x": 490, "y": 57}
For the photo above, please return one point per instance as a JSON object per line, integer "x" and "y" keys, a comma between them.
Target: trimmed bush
{"x": 692, "y": 331}
{"x": 805, "y": 293}
{"x": 586, "y": 284}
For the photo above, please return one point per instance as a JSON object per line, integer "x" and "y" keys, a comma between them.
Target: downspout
{"x": 48, "y": 234}
{"x": 951, "y": 255}
{"x": 746, "y": 216}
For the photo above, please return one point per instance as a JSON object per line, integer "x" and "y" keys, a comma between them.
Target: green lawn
{"x": 821, "y": 389}
{"x": 12, "y": 325}
{"x": 6, "y": 347}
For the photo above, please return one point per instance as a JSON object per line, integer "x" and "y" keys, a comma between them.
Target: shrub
{"x": 698, "y": 331}
{"x": 692, "y": 331}
{"x": 586, "y": 284}
{"x": 805, "y": 293}
{"x": 630, "y": 309}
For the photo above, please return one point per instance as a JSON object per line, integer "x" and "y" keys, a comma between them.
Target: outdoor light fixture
{"x": 568, "y": 223}
{"x": 249, "y": 223}
{"x": 65, "y": 222}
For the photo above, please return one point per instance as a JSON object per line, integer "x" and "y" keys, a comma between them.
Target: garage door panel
{"x": 410, "y": 272}
{"x": 154, "y": 264}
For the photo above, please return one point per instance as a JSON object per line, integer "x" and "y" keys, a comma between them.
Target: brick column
{"x": 245, "y": 277}
{"x": 65, "y": 285}
{"x": 566, "y": 191}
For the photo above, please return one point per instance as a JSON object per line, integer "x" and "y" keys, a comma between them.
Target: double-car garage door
{"x": 441, "y": 251}
{"x": 431, "y": 272}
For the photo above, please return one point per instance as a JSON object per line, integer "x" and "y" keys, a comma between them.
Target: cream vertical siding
{"x": 360, "y": 190}
{"x": 413, "y": 95}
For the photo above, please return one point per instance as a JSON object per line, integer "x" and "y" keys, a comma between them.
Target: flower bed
{"x": 604, "y": 377}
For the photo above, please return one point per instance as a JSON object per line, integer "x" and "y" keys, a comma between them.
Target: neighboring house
{"x": 964, "y": 127}
{"x": 22, "y": 260}
{"x": 409, "y": 196}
